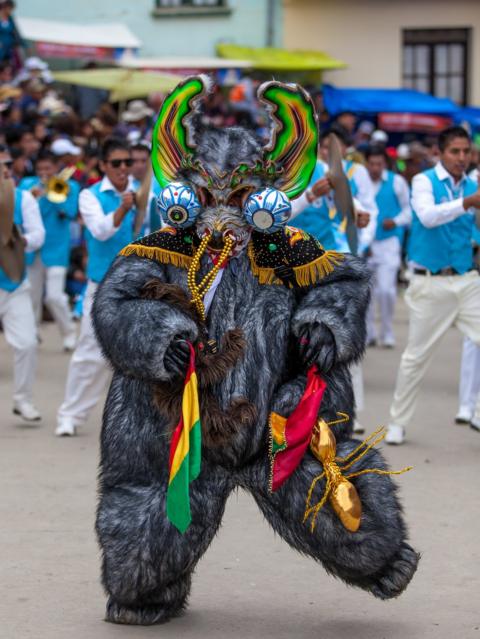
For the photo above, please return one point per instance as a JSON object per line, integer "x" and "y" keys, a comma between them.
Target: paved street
{"x": 249, "y": 584}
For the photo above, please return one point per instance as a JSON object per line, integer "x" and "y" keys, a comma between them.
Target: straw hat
{"x": 137, "y": 110}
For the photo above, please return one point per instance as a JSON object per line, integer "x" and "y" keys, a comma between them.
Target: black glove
{"x": 177, "y": 357}
{"x": 317, "y": 346}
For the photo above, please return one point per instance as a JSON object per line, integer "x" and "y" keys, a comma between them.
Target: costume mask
{"x": 233, "y": 188}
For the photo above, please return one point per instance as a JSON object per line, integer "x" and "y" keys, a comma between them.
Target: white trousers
{"x": 384, "y": 261}
{"x": 436, "y": 303}
{"x": 88, "y": 373}
{"x": 356, "y": 372}
{"x": 469, "y": 388}
{"x": 16, "y": 314}
{"x": 52, "y": 279}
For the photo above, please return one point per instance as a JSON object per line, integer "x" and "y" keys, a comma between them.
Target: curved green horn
{"x": 292, "y": 149}
{"x": 172, "y": 140}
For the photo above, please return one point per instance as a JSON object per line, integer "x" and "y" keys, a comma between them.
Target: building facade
{"x": 173, "y": 27}
{"x": 426, "y": 45}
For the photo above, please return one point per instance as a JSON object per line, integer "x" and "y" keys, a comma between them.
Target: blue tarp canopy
{"x": 385, "y": 101}
{"x": 468, "y": 114}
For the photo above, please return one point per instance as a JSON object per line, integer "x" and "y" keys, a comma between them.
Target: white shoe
{"x": 69, "y": 342}
{"x": 65, "y": 428}
{"x": 388, "y": 342}
{"x": 26, "y": 411}
{"x": 395, "y": 435}
{"x": 464, "y": 415}
{"x": 475, "y": 424}
{"x": 358, "y": 428}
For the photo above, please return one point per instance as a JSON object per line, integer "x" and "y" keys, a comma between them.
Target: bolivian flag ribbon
{"x": 185, "y": 452}
{"x": 290, "y": 437}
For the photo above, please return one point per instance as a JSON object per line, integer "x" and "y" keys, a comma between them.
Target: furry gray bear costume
{"x": 292, "y": 306}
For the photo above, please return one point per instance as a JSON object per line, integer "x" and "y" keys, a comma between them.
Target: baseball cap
{"x": 64, "y": 146}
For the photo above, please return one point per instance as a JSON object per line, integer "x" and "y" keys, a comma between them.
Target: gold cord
{"x": 198, "y": 291}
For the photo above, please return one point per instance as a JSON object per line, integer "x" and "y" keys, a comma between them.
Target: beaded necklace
{"x": 198, "y": 291}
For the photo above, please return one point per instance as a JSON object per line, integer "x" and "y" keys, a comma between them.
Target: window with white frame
{"x": 436, "y": 61}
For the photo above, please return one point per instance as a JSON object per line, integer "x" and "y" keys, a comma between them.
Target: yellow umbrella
{"x": 123, "y": 84}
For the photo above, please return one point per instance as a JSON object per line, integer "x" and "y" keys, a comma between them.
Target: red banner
{"x": 53, "y": 50}
{"x": 415, "y": 122}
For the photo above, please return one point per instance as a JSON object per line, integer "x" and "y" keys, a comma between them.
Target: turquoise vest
{"x": 315, "y": 218}
{"x": 338, "y": 223}
{"x": 447, "y": 245}
{"x": 388, "y": 207}
{"x": 5, "y": 282}
{"x": 56, "y": 248}
{"x": 155, "y": 219}
{"x": 101, "y": 254}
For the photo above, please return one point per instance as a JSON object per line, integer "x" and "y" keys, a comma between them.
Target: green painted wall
{"x": 245, "y": 23}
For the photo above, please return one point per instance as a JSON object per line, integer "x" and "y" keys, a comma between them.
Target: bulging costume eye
{"x": 267, "y": 210}
{"x": 178, "y": 205}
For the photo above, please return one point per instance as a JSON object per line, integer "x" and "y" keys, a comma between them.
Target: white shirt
{"x": 33, "y": 229}
{"x": 401, "y": 190}
{"x": 423, "y": 201}
{"x": 97, "y": 222}
{"x": 365, "y": 201}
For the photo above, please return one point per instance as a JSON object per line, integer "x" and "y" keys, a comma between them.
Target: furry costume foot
{"x": 396, "y": 576}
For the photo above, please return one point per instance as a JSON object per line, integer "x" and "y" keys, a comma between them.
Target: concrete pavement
{"x": 249, "y": 584}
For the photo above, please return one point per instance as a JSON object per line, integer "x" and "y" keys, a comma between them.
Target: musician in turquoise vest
{"x": 445, "y": 286}
{"x": 16, "y": 311}
{"x": 107, "y": 210}
{"x": 392, "y": 196}
{"x": 47, "y": 268}
{"x": 311, "y": 210}
{"x": 362, "y": 192}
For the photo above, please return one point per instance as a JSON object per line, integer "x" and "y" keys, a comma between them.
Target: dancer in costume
{"x": 314, "y": 211}
{"x": 16, "y": 311}
{"x": 107, "y": 212}
{"x": 47, "y": 268}
{"x": 445, "y": 288}
{"x": 231, "y": 335}
{"x": 394, "y": 213}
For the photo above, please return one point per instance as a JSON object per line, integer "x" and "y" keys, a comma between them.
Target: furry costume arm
{"x": 340, "y": 303}
{"x": 135, "y": 333}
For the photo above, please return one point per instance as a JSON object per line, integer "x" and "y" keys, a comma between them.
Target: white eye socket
{"x": 263, "y": 219}
{"x": 177, "y": 214}
{"x": 178, "y": 205}
{"x": 267, "y": 210}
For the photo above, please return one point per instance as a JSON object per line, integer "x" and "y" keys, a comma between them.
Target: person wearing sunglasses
{"x": 16, "y": 310}
{"x": 108, "y": 211}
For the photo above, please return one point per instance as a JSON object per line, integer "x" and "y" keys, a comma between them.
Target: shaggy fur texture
{"x": 147, "y": 563}
{"x": 218, "y": 426}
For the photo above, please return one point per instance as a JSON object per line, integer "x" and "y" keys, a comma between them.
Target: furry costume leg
{"x": 147, "y": 563}
{"x": 375, "y": 558}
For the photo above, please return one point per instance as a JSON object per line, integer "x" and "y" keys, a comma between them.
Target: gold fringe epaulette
{"x": 159, "y": 254}
{"x": 294, "y": 248}
{"x": 167, "y": 246}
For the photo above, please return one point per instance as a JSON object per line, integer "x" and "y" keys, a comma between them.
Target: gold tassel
{"x": 160, "y": 255}
{"x": 342, "y": 493}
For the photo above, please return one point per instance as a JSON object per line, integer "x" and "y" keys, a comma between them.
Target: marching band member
{"x": 48, "y": 267}
{"x": 393, "y": 201}
{"x": 314, "y": 211}
{"x": 140, "y": 172}
{"x": 16, "y": 312}
{"x": 107, "y": 210}
{"x": 445, "y": 287}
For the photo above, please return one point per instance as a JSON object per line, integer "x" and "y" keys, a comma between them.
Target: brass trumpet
{"x": 57, "y": 188}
